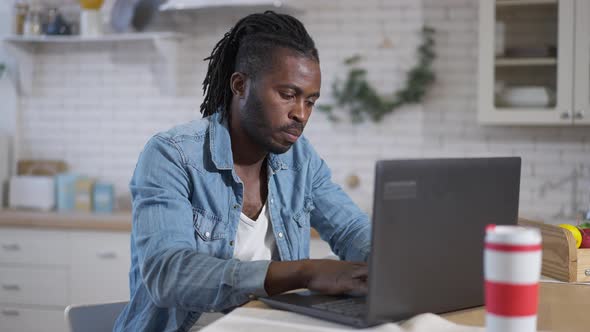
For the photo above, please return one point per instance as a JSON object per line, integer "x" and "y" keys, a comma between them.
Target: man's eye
{"x": 310, "y": 103}
{"x": 287, "y": 96}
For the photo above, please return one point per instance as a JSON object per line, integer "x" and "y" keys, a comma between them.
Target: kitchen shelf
{"x": 172, "y": 5}
{"x": 84, "y": 39}
{"x": 512, "y": 3}
{"x": 118, "y": 221}
{"x": 24, "y": 48}
{"x": 509, "y": 62}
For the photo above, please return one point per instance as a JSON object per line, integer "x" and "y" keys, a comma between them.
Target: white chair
{"x": 93, "y": 317}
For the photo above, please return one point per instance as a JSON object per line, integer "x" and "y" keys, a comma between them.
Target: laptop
{"x": 429, "y": 219}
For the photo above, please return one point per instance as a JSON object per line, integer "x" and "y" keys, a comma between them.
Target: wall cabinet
{"x": 43, "y": 271}
{"x": 534, "y": 62}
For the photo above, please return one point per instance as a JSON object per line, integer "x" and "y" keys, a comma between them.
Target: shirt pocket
{"x": 208, "y": 227}
{"x": 301, "y": 217}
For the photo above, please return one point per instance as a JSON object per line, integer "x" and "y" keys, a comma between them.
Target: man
{"x": 222, "y": 207}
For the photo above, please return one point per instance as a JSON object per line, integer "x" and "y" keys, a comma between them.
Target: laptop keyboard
{"x": 354, "y": 306}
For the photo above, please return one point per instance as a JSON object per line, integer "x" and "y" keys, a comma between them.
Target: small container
{"x": 103, "y": 197}
{"x": 90, "y": 23}
{"x": 20, "y": 15}
{"x": 66, "y": 191}
{"x": 83, "y": 196}
{"x": 512, "y": 268}
{"x": 33, "y": 25}
{"x": 56, "y": 25}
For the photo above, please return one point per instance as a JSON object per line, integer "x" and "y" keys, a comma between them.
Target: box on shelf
{"x": 65, "y": 186}
{"x": 83, "y": 194}
{"x": 103, "y": 197}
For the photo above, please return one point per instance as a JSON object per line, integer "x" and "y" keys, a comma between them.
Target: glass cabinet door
{"x": 526, "y": 61}
{"x": 581, "y": 111}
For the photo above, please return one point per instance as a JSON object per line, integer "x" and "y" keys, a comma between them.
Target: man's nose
{"x": 299, "y": 112}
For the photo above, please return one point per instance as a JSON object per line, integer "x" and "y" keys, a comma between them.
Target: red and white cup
{"x": 512, "y": 267}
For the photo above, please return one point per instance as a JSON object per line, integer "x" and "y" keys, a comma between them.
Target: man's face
{"x": 280, "y": 101}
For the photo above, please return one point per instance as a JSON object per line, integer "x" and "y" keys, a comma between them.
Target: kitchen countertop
{"x": 118, "y": 221}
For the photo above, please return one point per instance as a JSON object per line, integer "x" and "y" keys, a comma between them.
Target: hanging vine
{"x": 362, "y": 100}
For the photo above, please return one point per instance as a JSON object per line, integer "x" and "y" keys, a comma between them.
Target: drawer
{"x": 33, "y": 286}
{"x": 31, "y": 320}
{"x": 30, "y": 246}
{"x": 99, "y": 267}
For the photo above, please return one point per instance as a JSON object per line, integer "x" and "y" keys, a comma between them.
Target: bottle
{"x": 56, "y": 25}
{"x": 20, "y": 14}
{"x": 32, "y": 26}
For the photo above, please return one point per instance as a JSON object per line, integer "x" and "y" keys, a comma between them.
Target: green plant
{"x": 362, "y": 100}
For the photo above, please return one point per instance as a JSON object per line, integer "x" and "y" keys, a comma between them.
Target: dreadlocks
{"x": 247, "y": 48}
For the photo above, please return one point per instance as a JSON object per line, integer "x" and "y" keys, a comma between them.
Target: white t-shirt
{"x": 255, "y": 239}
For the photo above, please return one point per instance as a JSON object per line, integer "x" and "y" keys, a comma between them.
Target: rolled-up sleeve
{"x": 174, "y": 273}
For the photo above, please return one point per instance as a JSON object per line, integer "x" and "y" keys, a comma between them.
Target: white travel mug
{"x": 512, "y": 268}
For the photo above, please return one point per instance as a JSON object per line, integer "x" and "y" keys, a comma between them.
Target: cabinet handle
{"x": 579, "y": 115}
{"x": 11, "y": 287}
{"x": 106, "y": 255}
{"x": 11, "y": 247}
{"x": 565, "y": 115}
{"x": 10, "y": 312}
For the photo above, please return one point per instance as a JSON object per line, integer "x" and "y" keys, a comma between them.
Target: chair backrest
{"x": 93, "y": 317}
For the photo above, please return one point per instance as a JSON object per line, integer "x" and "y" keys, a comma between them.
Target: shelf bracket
{"x": 22, "y": 66}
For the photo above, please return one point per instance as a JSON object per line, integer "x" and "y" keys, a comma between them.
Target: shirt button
{"x": 207, "y": 234}
{"x": 280, "y": 234}
{"x": 231, "y": 243}
{"x": 272, "y": 201}
{"x": 237, "y": 206}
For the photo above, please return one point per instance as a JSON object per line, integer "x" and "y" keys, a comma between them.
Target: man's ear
{"x": 239, "y": 84}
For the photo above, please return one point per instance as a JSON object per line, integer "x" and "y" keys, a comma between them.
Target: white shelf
{"x": 512, "y": 3}
{"x": 24, "y": 48}
{"x": 98, "y": 39}
{"x": 207, "y": 4}
{"x": 508, "y": 62}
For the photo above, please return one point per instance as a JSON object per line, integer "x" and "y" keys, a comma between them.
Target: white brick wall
{"x": 550, "y": 155}
{"x": 95, "y": 106}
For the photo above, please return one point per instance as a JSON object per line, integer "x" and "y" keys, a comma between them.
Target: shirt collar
{"x": 220, "y": 145}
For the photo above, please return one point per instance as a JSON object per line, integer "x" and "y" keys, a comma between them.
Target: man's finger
{"x": 359, "y": 288}
{"x": 360, "y": 272}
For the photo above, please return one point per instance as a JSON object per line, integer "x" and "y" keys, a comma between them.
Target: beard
{"x": 255, "y": 122}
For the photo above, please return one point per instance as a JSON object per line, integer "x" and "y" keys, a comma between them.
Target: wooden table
{"x": 562, "y": 307}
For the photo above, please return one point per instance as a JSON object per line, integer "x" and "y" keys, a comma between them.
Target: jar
{"x": 20, "y": 15}
{"x": 33, "y": 25}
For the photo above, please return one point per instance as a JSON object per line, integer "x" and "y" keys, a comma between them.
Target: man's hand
{"x": 336, "y": 277}
{"x": 321, "y": 275}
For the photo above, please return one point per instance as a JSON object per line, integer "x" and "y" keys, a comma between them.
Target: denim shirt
{"x": 187, "y": 200}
